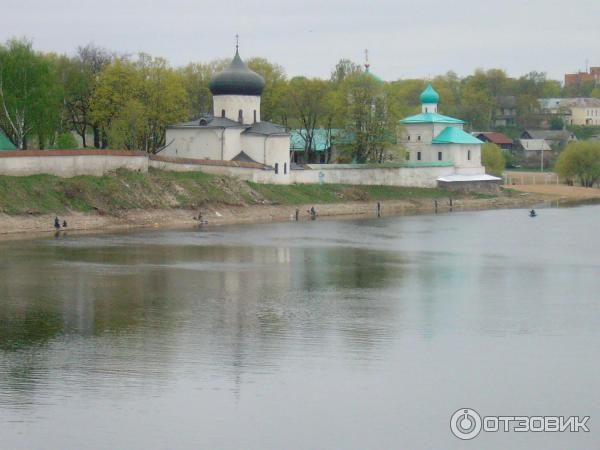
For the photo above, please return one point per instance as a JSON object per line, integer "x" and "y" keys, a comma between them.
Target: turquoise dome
{"x": 429, "y": 95}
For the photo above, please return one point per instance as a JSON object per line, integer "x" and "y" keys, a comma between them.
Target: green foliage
{"x": 30, "y": 95}
{"x": 364, "y": 104}
{"x": 492, "y": 157}
{"x": 581, "y": 161}
{"x": 306, "y": 194}
{"x": 65, "y": 141}
{"x": 343, "y": 69}
{"x": 584, "y": 132}
{"x": 557, "y": 123}
{"x": 311, "y": 104}
{"x": 128, "y": 102}
{"x": 510, "y": 159}
{"x": 273, "y": 98}
{"x": 133, "y": 102}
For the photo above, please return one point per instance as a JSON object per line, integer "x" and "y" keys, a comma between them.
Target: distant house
{"x": 532, "y": 148}
{"x": 556, "y": 139}
{"x": 501, "y": 140}
{"x": 505, "y": 111}
{"x": 573, "y": 111}
{"x": 5, "y": 142}
{"x": 576, "y": 79}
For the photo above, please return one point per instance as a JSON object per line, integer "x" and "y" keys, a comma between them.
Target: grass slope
{"x": 124, "y": 190}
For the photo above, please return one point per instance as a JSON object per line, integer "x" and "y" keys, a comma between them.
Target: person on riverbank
{"x": 64, "y": 225}
{"x": 56, "y": 223}
{"x": 313, "y": 213}
{"x": 378, "y": 209}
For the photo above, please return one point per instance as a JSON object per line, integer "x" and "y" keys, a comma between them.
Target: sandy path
{"x": 560, "y": 191}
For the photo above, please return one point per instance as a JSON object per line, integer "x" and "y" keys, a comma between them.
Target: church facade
{"x": 234, "y": 132}
{"x": 432, "y": 138}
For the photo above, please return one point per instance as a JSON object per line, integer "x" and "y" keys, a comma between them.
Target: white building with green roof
{"x": 430, "y": 137}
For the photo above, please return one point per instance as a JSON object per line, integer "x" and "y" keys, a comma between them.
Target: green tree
{"x": 273, "y": 98}
{"x": 528, "y": 111}
{"x": 557, "y": 123}
{"x": 371, "y": 117}
{"x": 195, "y": 78}
{"x": 343, "y": 69}
{"x": 29, "y": 94}
{"x": 163, "y": 98}
{"x": 580, "y": 160}
{"x": 65, "y": 141}
{"x": 476, "y": 107}
{"x": 146, "y": 95}
{"x": 77, "y": 76}
{"x": 492, "y": 158}
{"x": 309, "y": 105}
{"x": 116, "y": 85}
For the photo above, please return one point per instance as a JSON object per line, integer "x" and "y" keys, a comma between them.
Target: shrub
{"x": 492, "y": 157}
{"x": 66, "y": 141}
{"x": 580, "y": 160}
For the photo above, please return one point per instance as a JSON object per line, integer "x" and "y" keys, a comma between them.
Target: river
{"x": 326, "y": 334}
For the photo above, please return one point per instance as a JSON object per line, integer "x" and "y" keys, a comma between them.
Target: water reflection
{"x": 337, "y": 322}
{"x": 124, "y": 308}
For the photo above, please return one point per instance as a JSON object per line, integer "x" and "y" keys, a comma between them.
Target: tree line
{"x": 127, "y": 101}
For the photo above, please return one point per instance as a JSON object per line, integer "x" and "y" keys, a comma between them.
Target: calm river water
{"x": 345, "y": 334}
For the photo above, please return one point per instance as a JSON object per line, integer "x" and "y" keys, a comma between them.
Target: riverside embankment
{"x": 163, "y": 199}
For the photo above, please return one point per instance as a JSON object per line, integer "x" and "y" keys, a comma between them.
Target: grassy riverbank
{"x": 159, "y": 199}
{"x": 125, "y": 190}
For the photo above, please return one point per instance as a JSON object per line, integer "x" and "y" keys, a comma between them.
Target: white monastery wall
{"x": 386, "y": 176}
{"x": 255, "y": 175}
{"x": 66, "y": 164}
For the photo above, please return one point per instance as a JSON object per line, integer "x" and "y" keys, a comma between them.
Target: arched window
{"x": 276, "y": 168}
{"x": 241, "y": 116}
{"x": 418, "y": 138}
{"x": 418, "y": 156}
{"x": 439, "y": 156}
{"x": 469, "y": 155}
{"x": 254, "y": 116}
{"x": 284, "y": 167}
{"x": 408, "y": 137}
{"x": 222, "y": 113}
{"x": 426, "y": 110}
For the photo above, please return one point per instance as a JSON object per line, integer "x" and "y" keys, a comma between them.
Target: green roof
{"x": 320, "y": 141}
{"x": 452, "y": 135}
{"x": 429, "y": 95}
{"x": 373, "y": 76}
{"x": 430, "y": 118}
{"x": 5, "y": 143}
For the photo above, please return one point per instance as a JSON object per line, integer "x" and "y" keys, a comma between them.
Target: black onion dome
{"x": 237, "y": 79}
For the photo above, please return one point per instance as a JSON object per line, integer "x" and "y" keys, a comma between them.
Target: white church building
{"x": 431, "y": 138}
{"x": 234, "y": 132}
{"x": 234, "y": 141}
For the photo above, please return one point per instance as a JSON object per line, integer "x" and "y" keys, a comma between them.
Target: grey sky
{"x": 405, "y": 38}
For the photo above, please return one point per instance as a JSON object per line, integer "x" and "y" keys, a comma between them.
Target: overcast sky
{"x": 405, "y": 38}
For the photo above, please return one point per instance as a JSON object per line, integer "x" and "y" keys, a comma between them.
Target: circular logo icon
{"x": 465, "y": 423}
